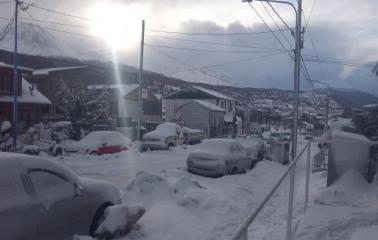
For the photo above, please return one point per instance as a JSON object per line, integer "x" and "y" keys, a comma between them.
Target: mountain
{"x": 348, "y": 97}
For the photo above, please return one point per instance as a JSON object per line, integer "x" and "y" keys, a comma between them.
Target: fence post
{"x": 244, "y": 235}
{"x": 290, "y": 207}
{"x": 308, "y": 173}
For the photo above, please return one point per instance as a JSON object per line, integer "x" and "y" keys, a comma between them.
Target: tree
{"x": 367, "y": 124}
{"x": 81, "y": 106}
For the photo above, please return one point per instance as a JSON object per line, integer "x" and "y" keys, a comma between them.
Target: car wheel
{"x": 94, "y": 153}
{"x": 234, "y": 171}
{"x": 171, "y": 144}
{"x": 57, "y": 152}
{"x": 98, "y": 219}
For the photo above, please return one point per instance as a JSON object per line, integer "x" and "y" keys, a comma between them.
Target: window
{"x": 50, "y": 186}
{"x": 11, "y": 188}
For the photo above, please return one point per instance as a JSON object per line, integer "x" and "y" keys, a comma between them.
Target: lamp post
{"x": 297, "y": 65}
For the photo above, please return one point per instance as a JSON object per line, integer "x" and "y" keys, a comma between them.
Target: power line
{"x": 232, "y": 62}
{"x": 208, "y": 50}
{"x": 211, "y": 34}
{"x": 57, "y": 12}
{"x": 183, "y": 63}
{"x": 282, "y": 20}
{"x": 275, "y": 36}
{"x": 275, "y": 23}
{"x": 350, "y": 64}
{"x": 311, "y": 12}
{"x": 216, "y": 43}
{"x": 7, "y": 28}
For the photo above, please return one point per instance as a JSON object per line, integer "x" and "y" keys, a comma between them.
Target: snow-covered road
{"x": 180, "y": 205}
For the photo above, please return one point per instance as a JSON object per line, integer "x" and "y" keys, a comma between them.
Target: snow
{"x": 5, "y": 65}
{"x": 164, "y": 130}
{"x": 124, "y": 88}
{"x": 119, "y": 219}
{"x": 5, "y": 126}
{"x": 27, "y": 96}
{"x": 181, "y": 205}
{"x": 366, "y": 233}
{"x": 208, "y": 105}
{"x": 47, "y": 71}
{"x": 213, "y": 93}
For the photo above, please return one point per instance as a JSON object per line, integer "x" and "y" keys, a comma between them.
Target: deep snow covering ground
{"x": 180, "y": 205}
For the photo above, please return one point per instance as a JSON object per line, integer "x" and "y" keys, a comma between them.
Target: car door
{"x": 241, "y": 157}
{"x": 63, "y": 212}
{"x": 19, "y": 210}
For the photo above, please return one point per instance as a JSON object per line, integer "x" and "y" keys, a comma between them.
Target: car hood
{"x": 106, "y": 190}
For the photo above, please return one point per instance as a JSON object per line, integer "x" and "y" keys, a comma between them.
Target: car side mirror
{"x": 78, "y": 190}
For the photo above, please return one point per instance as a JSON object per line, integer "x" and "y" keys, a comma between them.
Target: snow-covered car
{"x": 99, "y": 143}
{"x": 255, "y": 146}
{"x": 192, "y": 136}
{"x": 218, "y": 157}
{"x": 42, "y": 199}
{"x": 166, "y": 135}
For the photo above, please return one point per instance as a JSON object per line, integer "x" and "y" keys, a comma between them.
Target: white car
{"x": 43, "y": 200}
{"x": 99, "y": 143}
{"x": 218, "y": 157}
{"x": 166, "y": 135}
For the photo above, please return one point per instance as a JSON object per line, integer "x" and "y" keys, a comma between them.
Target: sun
{"x": 118, "y": 24}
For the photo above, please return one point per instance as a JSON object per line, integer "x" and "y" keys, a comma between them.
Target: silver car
{"x": 43, "y": 200}
{"x": 218, "y": 157}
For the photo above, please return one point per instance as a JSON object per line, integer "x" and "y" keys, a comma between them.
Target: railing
{"x": 242, "y": 232}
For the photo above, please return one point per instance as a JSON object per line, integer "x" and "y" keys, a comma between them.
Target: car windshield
{"x": 188, "y": 120}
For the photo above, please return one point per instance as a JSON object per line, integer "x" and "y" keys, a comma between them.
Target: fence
{"x": 242, "y": 231}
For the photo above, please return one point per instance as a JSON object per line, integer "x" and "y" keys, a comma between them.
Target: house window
{"x": 223, "y": 104}
{"x": 6, "y": 86}
{"x": 230, "y": 106}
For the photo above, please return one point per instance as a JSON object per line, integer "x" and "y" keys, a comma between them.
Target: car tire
{"x": 171, "y": 144}
{"x": 98, "y": 218}
{"x": 57, "y": 152}
{"x": 234, "y": 171}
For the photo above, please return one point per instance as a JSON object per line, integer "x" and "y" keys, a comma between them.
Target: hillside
{"x": 103, "y": 73}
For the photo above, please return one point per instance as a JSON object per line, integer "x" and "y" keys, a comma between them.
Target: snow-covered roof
{"x": 27, "y": 96}
{"x": 209, "y": 105}
{"x": 5, "y": 65}
{"x": 213, "y": 93}
{"x": 47, "y": 71}
{"x": 124, "y": 88}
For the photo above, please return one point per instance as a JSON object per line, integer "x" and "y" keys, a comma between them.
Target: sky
{"x": 341, "y": 29}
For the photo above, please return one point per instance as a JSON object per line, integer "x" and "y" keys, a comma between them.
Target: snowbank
{"x": 366, "y": 233}
{"x": 119, "y": 220}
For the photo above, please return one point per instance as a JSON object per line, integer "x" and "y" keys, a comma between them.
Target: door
{"x": 63, "y": 212}
{"x": 19, "y": 211}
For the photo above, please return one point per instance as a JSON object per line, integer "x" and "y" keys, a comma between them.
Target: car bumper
{"x": 154, "y": 146}
{"x": 207, "y": 172}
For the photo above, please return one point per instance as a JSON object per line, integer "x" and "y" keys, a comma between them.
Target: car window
{"x": 50, "y": 186}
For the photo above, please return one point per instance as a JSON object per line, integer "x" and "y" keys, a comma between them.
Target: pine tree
{"x": 81, "y": 106}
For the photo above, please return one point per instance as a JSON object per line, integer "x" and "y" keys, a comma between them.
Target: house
{"x": 47, "y": 80}
{"x": 204, "y": 115}
{"x": 180, "y": 97}
{"x": 33, "y": 106}
{"x": 125, "y": 105}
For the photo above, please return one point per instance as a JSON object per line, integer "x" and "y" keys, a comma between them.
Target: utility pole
{"x": 15, "y": 78}
{"x": 326, "y": 115}
{"x": 140, "y": 100}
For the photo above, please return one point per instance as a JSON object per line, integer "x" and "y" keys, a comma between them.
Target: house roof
{"x": 5, "y": 65}
{"x": 213, "y": 93}
{"x": 47, "y": 71}
{"x": 206, "y": 93}
{"x": 27, "y": 96}
{"x": 124, "y": 88}
{"x": 206, "y": 104}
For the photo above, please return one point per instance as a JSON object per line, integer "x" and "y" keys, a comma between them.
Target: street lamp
{"x": 297, "y": 65}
